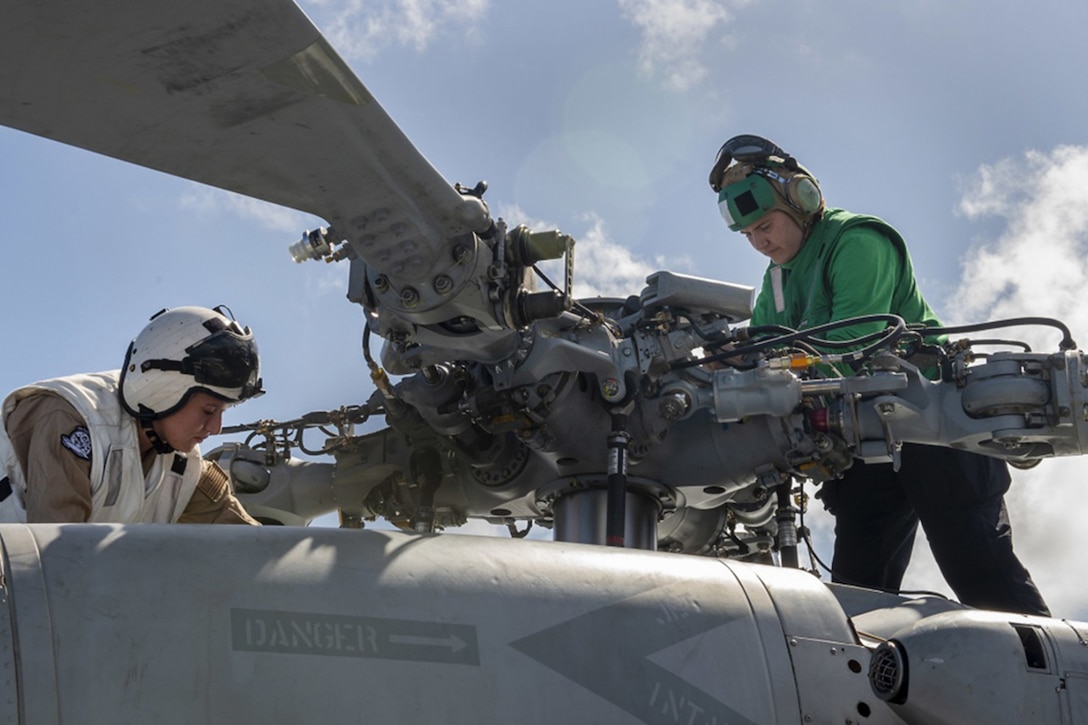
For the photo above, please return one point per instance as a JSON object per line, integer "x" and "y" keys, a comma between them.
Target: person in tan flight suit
{"x": 123, "y": 446}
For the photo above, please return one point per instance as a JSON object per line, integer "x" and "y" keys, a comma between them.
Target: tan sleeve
{"x": 213, "y": 501}
{"x": 55, "y": 458}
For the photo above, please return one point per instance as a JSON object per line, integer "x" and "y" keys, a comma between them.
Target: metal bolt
{"x": 886, "y": 408}
{"x": 671, "y": 409}
{"x": 409, "y": 297}
{"x": 443, "y": 284}
{"x": 381, "y": 283}
{"x": 460, "y": 254}
{"x": 673, "y": 406}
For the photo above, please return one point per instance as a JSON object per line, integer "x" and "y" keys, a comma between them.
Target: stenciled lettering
{"x": 337, "y": 635}
{"x": 678, "y": 708}
{"x": 280, "y": 633}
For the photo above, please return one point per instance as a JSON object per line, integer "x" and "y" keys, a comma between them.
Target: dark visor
{"x": 225, "y": 360}
{"x": 222, "y": 360}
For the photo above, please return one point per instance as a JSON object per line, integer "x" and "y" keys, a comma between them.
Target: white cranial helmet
{"x": 184, "y": 350}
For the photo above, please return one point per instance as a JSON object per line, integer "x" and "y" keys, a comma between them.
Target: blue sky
{"x": 961, "y": 122}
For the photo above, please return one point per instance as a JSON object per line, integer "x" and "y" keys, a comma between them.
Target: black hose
{"x": 883, "y": 338}
{"x": 1067, "y": 342}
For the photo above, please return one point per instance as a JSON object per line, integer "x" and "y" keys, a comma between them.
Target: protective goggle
{"x": 750, "y": 149}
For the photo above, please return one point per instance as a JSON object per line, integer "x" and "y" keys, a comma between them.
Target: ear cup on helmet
{"x": 796, "y": 187}
{"x": 803, "y": 193}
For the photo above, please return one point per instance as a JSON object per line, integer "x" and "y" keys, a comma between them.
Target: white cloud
{"x": 1035, "y": 267}
{"x": 602, "y": 267}
{"x": 673, "y": 35}
{"x": 362, "y": 28}
{"x": 208, "y": 200}
{"x": 1038, "y": 264}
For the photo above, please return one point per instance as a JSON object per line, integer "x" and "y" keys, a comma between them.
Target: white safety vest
{"x": 120, "y": 493}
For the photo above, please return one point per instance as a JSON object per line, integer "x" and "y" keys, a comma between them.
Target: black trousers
{"x": 959, "y": 498}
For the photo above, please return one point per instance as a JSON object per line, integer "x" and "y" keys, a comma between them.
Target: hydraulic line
{"x": 895, "y": 329}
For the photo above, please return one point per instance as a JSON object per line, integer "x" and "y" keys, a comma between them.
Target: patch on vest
{"x": 78, "y": 442}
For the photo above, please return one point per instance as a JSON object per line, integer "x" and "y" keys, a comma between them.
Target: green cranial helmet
{"x": 763, "y": 178}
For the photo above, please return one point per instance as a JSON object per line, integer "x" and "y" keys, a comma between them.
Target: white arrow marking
{"x": 455, "y": 643}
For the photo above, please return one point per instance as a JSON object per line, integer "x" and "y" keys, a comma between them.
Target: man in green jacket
{"x": 829, "y": 265}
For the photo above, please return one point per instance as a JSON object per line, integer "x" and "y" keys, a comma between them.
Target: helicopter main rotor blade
{"x": 245, "y": 95}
